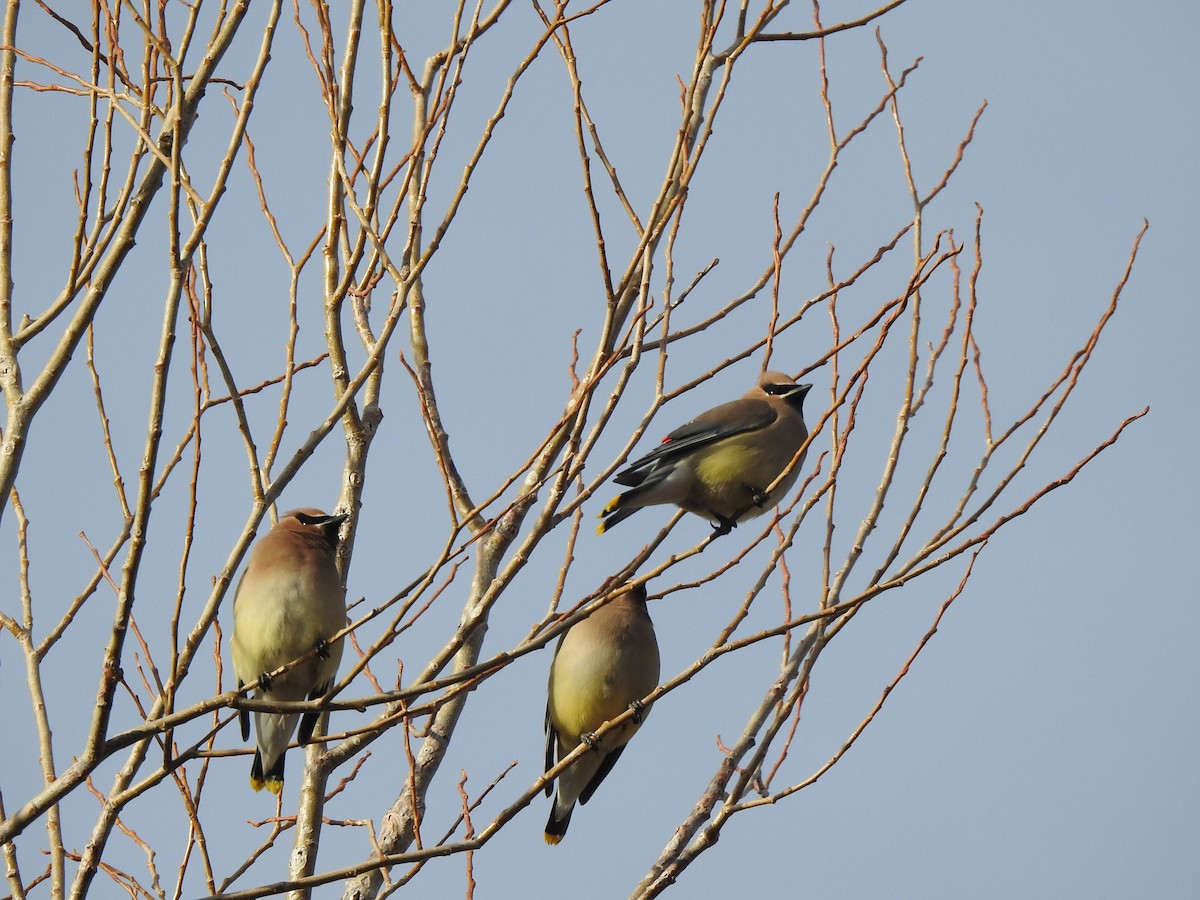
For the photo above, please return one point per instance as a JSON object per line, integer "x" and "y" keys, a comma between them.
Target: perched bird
{"x": 289, "y": 602}
{"x": 603, "y": 665}
{"x": 720, "y": 464}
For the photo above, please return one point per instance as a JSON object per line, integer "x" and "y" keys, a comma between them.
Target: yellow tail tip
{"x": 274, "y": 785}
{"x": 613, "y": 505}
{"x": 553, "y": 839}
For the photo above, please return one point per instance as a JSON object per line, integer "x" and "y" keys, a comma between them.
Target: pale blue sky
{"x": 1044, "y": 745}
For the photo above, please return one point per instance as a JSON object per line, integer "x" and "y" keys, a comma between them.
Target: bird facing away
{"x": 720, "y": 464}
{"x": 289, "y": 602}
{"x": 603, "y": 665}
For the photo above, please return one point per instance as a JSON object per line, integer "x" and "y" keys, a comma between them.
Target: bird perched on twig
{"x": 721, "y": 463}
{"x": 603, "y": 665}
{"x": 289, "y": 602}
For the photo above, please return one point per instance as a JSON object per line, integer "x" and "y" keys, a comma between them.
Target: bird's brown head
{"x": 783, "y": 387}
{"x": 310, "y": 519}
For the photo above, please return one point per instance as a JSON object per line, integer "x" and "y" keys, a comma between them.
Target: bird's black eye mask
{"x": 306, "y": 519}
{"x": 783, "y": 390}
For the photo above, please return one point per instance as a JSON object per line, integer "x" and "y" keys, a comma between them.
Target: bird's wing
{"x": 720, "y": 422}
{"x": 601, "y": 773}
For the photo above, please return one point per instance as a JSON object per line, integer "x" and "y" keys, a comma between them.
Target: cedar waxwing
{"x": 720, "y": 464}
{"x": 289, "y": 602}
{"x": 603, "y": 665}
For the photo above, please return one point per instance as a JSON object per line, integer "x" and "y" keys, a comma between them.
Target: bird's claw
{"x": 264, "y": 683}
{"x": 639, "y": 710}
{"x": 590, "y": 738}
{"x": 759, "y": 497}
{"x": 723, "y": 526}
{"x": 323, "y": 648}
